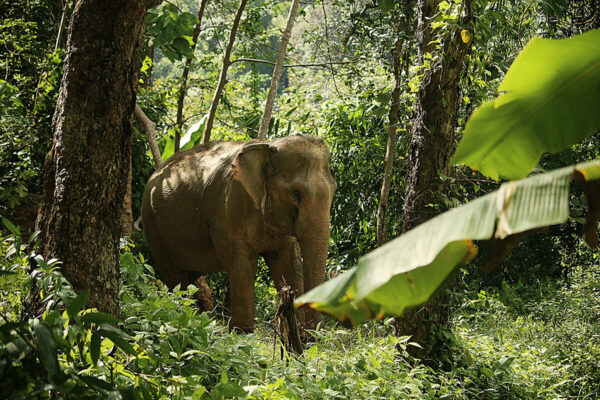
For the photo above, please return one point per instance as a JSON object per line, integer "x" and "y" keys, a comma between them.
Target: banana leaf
{"x": 407, "y": 271}
{"x": 548, "y": 102}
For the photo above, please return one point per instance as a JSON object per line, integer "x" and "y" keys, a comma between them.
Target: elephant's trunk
{"x": 314, "y": 240}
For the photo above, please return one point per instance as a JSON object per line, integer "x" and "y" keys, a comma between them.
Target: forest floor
{"x": 509, "y": 341}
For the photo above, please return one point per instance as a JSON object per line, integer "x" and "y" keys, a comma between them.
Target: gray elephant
{"x": 220, "y": 206}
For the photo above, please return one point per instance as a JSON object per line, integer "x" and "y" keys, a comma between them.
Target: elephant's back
{"x": 187, "y": 174}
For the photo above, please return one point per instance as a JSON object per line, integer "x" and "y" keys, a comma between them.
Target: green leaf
{"x": 169, "y": 149}
{"x": 197, "y": 394}
{"x": 185, "y": 23}
{"x": 99, "y": 318}
{"x": 94, "y": 382}
{"x": 182, "y": 45}
{"x": 95, "y": 343}
{"x": 77, "y": 303}
{"x": 17, "y": 349}
{"x": 47, "y": 348}
{"x": 549, "y": 102}
{"x": 194, "y": 135}
{"x": 407, "y": 271}
{"x": 115, "y": 330}
{"x": 170, "y": 54}
{"x": 118, "y": 337}
{"x": 11, "y": 227}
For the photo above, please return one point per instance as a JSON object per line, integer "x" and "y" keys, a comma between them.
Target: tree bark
{"x": 431, "y": 146}
{"x": 87, "y": 167}
{"x": 398, "y": 59}
{"x": 277, "y": 71}
{"x": 184, "y": 77}
{"x": 126, "y": 207}
{"x": 223, "y": 75}
{"x": 432, "y": 142}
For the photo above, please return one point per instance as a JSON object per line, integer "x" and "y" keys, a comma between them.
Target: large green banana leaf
{"x": 407, "y": 271}
{"x": 550, "y": 100}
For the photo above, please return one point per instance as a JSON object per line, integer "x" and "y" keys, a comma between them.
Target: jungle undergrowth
{"x": 516, "y": 341}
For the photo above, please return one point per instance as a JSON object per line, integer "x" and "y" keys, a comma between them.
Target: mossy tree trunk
{"x": 432, "y": 145}
{"x": 87, "y": 168}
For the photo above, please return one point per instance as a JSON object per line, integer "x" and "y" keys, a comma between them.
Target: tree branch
{"x": 150, "y": 128}
{"x": 308, "y": 65}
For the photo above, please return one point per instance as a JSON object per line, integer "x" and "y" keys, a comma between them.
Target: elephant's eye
{"x": 297, "y": 195}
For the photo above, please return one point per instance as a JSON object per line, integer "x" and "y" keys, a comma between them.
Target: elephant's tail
{"x": 138, "y": 225}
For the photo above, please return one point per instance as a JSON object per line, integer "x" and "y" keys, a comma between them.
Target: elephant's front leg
{"x": 241, "y": 269}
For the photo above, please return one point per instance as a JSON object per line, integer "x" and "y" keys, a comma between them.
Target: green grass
{"x": 539, "y": 341}
{"x": 509, "y": 342}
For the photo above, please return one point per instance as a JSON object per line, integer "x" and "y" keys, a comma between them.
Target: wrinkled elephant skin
{"x": 220, "y": 206}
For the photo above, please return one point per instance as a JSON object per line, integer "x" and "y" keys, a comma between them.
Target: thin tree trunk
{"x": 61, "y": 25}
{"x": 87, "y": 167}
{"x": 150, "y": 128}
{"x": 184, "y": 77}
{"x": 285, "y": 38}
{"x": 223, "y": 75}
{"x": 398, "y": 59}
{"x": 431, "y": 147}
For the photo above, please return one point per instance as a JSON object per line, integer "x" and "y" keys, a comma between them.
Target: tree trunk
{"x": 223, "y": 75}
{"x": 432, "y": 145}
{"x": 277, "y": 71}
{"x": 87, "y": 168}
{"x": 126, "y": 207}
{"x": 184, "y": 77}
{"x": 398, "y": 60}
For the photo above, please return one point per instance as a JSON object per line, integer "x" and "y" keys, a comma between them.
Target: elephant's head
{"x": 292, "y": 186}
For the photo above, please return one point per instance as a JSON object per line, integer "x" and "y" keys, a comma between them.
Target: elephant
{"x": 219, "y": 206}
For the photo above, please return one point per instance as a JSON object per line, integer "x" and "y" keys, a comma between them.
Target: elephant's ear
{"x": 249, "y": 168}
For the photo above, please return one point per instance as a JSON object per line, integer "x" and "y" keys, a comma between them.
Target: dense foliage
{"x": 28, "y": 88}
